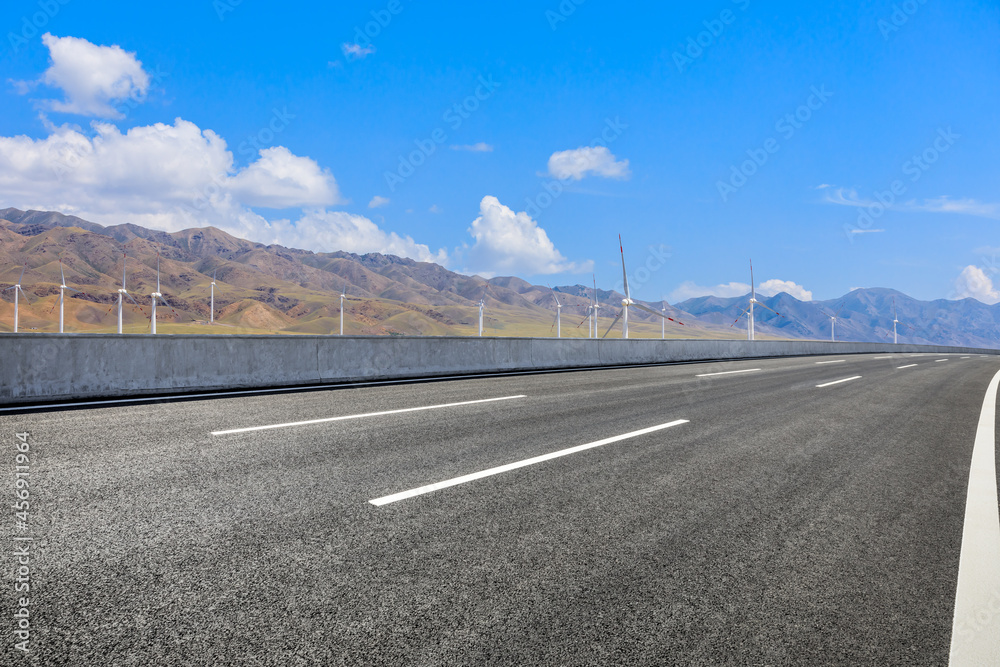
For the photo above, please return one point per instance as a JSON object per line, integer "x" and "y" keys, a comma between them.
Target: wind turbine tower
{"x": 122, "y": 293}
{"x": 211, "y": 312}
{"x": 558, "y": 321}
{"x": 482, "y": 307}
{"x": 62, "y": 289}
{"x": 593, "y": 309}
{"x": 833, "y": 323}
{"x": 748, "y": 311}
{"x": 895, "y": 321}
{"x": 17, "y": 288}
{"x": 156, "y": 296}
{"x": 343, "y": 296}
{"x": 628, "y": 301}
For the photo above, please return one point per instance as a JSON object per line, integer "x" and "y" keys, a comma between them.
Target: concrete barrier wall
{"x": 42, "y": 367}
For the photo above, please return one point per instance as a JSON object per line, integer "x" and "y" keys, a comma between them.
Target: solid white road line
{"x": 835, "y": 361}
{"x": 830, "y": 384}
{"x": 975, "y": 635}
{"x": 367, "y": 414}
{"x": 403, "y": 495}
{"x": 706, "y": 375}
{"x": 939, "y": 361}
{"x": 886, "y": 357}
{"x": 899, "y": 368}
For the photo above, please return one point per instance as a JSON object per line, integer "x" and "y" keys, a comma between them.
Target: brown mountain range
{"x": 271, "y": 289}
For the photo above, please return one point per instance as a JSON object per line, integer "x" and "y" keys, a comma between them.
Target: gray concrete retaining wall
{"x": 42, "y": 367}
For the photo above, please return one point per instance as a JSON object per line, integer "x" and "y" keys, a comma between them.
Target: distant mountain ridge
{"x": 864, "y": 315}
{"x": 289, "y": 290}
{"x": 273, "y": 288}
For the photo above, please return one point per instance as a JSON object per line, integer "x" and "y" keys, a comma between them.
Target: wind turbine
{"x": 211, "y": 313}
{"x": 833, "y": 322}
{"x": 122, "y": 293}
{"x": 557, "y": 323}
{"x": 895, "y": 321}
{"x": 482, "y": 309}
{"x": 62, "y": 288}
{"x": 344, "y": 297}
{"x": 663, "y": 322}
{"x": 591, "y": 318}
{"x": 17, "y": 288}
{"x": 627, "y": 301}
{"x": 593, "y": 309}
{"x": 157, "y": 296}
{"x": 749, "y": 309}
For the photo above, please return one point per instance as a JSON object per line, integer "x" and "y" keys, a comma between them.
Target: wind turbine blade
{"x": 157, "y": 272}
{"x": 753, "y": 288}
{"x": 554, "y": 322}
{"x": 763, "y": 305}
{"x": 61, "y": 273}
{"x": 582, "y": 321}
{"x": 24, "y": 294}
{"x": 624, "y": 273}
{"x": 23, "y": 269}
{"x": 739, "y": 317}
{"x": 655, "y": 312}
{"x": 841, "y": 309}
{"x": 133, "y": 300}
{"x": 596, "y": 304}
{"x": 124, "y": 262}
{"x": 617, "y": 317}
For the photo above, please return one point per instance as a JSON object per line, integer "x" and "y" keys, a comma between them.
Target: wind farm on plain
{"x": 263, "y": 292}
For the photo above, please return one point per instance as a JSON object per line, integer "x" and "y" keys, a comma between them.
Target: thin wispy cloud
{"x": 845, "y": 197}
{"x": 865, "y": 231}
{"x": 961, "y": 206}
{"x": 481, "y": 147}
{"x": 356, "y": 51}
{"x": 942, "y": 204}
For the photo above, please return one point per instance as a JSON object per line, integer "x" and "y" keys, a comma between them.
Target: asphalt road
{"x": 781, "y": 523}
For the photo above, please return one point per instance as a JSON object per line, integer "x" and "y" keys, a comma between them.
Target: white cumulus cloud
{"x": 577, "y": 163}
{"x": 178, "y": 172}
{"x": 690, "y": 290}
{"x": 378, "y": 202}
{"x": 177, "y": 176}
{"x": 92, "y": 77}
{"x": 973, "y": 282}
{"x": 327, "y": 231}
{"x": 279, "y": 179}
{"x": 512, "y": 243}
{"x": 774, "y": 286}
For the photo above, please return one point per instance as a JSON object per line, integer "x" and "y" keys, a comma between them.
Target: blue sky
{"x": 522, "y": 138}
